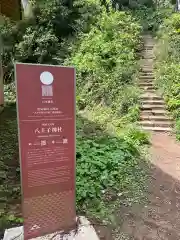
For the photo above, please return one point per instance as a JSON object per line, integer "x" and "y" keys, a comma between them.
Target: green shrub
{"x": 114, "y": 159}
{"x": 106, "y": 62}
{"x": 151, "y": 18}
{"x": 134, "y": 4}
{"x": 136, "y": 136}
{"x": 110, "y": 159}
{"x": 45, "y": 37}
{"x": 168, "y": 67}
{"x": 177, "y": 129}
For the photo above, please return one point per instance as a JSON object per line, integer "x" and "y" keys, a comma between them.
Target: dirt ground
{"x": 159, "y": 219}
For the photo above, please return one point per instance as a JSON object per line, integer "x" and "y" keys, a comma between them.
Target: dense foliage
{"x": 39, "y": 39}
{"x": 151, "y": 18}
{"x": 126, "y": 4}
{"x": 167, "y": 67}
{"x": 106, "y": 61}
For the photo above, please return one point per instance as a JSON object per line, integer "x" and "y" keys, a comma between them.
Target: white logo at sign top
{"x": 46, "y": 78}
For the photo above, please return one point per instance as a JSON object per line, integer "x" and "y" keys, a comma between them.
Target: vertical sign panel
{"x": 46, "y": 118}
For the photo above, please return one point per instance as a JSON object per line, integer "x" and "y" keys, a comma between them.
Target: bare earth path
{"x": 160, "y": 219}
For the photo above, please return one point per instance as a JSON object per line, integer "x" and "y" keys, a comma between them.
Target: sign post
{"x": 46, "y": 120}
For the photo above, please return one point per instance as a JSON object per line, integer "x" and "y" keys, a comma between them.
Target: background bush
{"x": 106, "y": 62}
{"x": 45, "y": 37}
{"x": 168, "y": 66}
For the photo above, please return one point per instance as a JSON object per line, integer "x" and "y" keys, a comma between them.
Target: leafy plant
{"x": 45, "y": 37}
{"x": 110, "y": 158}
{"x": 105, "y": 60}
{"x": 167, "y": 66}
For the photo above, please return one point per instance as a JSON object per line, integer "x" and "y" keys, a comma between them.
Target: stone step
{"x": 147, "y": 70}
{"x": 147, "y": 88}
{"x": 157, "y": 129}
{"x": 147, "y": 76}
{"x": 149, "y": 47}
{"x": 148, "y": 43}
{"x": 146, "y": 80}
{"x": 152, "y": 107}
{"x": 154, "y": 112}
{"x": 147, "y": 35}
{"x": 146, "y": 83}
{"x": 147, "y": 54}
{"x": 147, "y": 117}
{"x": 148, "y": 38}
{"x": 150, "y": 97}
{"x": 146, "y": 61}
{"x": 166, "y": 124}
{"x": 153, "y": 102}
{"x": 148, "y": 51}
{"x": 147, "y": 57}
{"x": 149, "y": 91}
{"x": 147, "y": 66}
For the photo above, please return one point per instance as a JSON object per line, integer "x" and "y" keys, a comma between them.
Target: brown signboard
{"x": 46, "y": 119}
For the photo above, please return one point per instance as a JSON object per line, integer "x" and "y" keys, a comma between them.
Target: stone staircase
{"x": 153, "y": 111}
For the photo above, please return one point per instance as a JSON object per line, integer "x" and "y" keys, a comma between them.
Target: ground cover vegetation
{"x": 167, "y": 65}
